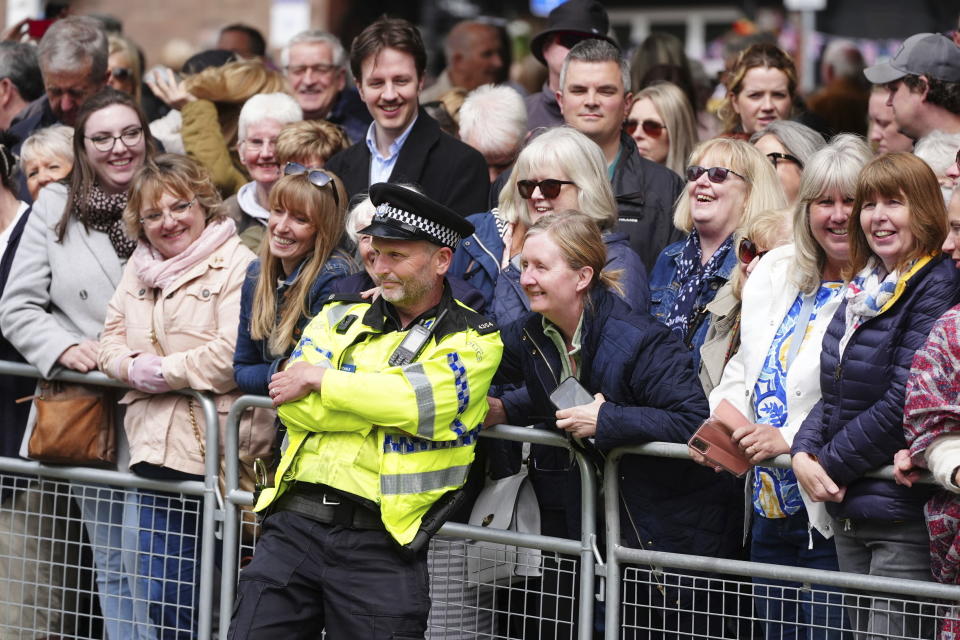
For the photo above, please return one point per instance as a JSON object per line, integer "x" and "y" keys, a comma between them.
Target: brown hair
{"x": 319, "y": 138}
{"x": 296, "y": 193}
{"x": 175, "y": 174}
{"x": 899, "y": 175}
{"x": 761, "y": 54}
{"x": 387, "y": 33}
{"x": 83, "y": 176}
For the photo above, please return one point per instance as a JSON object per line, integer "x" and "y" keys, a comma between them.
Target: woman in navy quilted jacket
{"x": 898, "y": 284}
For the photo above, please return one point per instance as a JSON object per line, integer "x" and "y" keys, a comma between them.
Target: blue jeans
{"x": 168, "y": 570}
{"x": 787, "y": 610}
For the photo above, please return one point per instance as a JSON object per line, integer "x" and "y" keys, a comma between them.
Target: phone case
{"x": 570, "y": 393}
{"x": 713, "y": 440}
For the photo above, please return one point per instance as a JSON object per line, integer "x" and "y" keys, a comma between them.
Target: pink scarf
{"x": 157, "y": 272}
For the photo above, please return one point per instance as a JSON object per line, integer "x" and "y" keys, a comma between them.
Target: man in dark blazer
{"x": 404, "y": 144}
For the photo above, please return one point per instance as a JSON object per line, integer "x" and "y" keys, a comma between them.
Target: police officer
{"x": 383, "y": 403}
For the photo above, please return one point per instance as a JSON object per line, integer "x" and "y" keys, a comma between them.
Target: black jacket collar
{"x": 382, "y": 316}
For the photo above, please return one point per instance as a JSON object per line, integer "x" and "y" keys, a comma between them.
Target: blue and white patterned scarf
{"x": 691, "y": 277}
{"x": 867, "y": 294}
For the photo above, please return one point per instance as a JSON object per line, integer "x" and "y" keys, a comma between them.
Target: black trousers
{"x": 306, "y": 576}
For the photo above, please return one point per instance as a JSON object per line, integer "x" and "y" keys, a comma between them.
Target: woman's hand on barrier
{"x": 581, "y": 421}
{"x": 146, "y": 374}
{"x": 81, "y": 357}
{"x": 904, "y": 471}
{"x": 815, "y": 480}
{"x": 294, "y": 382}
{"x": 496, "y": 414}
{"x": 760, "y": 442}
{"x": 164, "y": 84}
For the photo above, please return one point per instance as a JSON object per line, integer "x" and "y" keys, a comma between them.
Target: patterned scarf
{"x": 867, "y": 294}
{"x": 692, "y": 277}
{"x": 104, "y": 213}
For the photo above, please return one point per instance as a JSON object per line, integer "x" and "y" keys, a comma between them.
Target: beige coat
{"x": 192, "y": 324}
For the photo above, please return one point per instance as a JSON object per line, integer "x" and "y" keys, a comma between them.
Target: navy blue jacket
{"x": 858, "y": 424}
{"x": 477, "y": 261}
{"x": 652, "y": 394}
{"x": 253, "y": 364}
{"x": 664, "y": 287}
{"x": 13, "y": 416}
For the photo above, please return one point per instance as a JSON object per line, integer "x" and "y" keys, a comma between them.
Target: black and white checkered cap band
{"x": 441, "y": 234}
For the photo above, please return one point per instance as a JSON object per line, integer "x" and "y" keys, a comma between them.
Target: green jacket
{"x": 398, "y": 436}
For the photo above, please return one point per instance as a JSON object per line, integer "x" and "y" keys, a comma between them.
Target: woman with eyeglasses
{"x": 558, "y": 170}
{"x": 662, "y": 123}
{"x": 261, "y": 120}
{"x": 789, "y": 146}
{"x": 69, "y": 262}
{"x": 728, "y": 180}
{"x": 306, "y": 251}
{"x": 774, "y": 380}
{"x": 172, "y": 324}
{"x": 897, "y": 284}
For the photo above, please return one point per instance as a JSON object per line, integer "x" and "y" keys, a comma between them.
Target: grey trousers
{"x": 893, "y": 549}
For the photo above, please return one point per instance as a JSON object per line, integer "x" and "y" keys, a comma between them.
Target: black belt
{"x": 329, "y": 508}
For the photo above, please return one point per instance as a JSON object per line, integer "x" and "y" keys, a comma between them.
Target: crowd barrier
{"x": 485, "y": 583}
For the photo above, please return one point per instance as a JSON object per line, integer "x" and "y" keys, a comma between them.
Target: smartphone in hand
{"x": 714, "y": 439}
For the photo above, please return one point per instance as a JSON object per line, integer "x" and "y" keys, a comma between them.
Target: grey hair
{"x": 363, "y": 208}
{"x": 835, "y": 166}
{"x": 72, "y": 43}
{"x": 56, "y": 140}
{"x": 845, "y": 59}
{"x": 314, "y": 36}
{"x": 267, "y": 106}
{"x": 18, "y": 62}
{"x": 798, "y": 139}
{"x": 594, "y": 50}
{"x": 494, "y": 120}
{"x": 567, "y": 150}
{"x": 677, "y": 114}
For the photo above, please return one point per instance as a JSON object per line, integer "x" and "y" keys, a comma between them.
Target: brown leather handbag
{"x": 75, "y": 425}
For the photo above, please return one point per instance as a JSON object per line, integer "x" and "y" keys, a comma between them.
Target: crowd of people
{"x": 398, "y": 267}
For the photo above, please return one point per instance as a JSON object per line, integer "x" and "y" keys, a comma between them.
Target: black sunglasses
{"x": 550, "y": 188}
{"x": 317, "y": 177}
{"x": 714, "y": 174}
{"x": 652, "y": 128}
{"x": 776, "y": 157}
{"x": 747, "y": 251}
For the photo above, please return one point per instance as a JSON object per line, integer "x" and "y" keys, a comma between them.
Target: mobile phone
{"x": 714, "y": 440}
{"x": 570, "y": 393}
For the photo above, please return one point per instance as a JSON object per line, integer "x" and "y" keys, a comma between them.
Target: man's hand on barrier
{"x": 815, "y": 481}
{"x": 760, "y": 442}
{"x": 81, "y": 357}
{"x": 581, "y": 421}
{"x": 295, "y": 382}
{"x": 904, "y": 471}
{"x": 496, "y": 414}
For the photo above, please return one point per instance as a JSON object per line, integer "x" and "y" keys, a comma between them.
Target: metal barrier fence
{"x": 484, "y": 582}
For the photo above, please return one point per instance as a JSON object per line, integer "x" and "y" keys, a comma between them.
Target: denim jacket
{"x": 664, "y": 288}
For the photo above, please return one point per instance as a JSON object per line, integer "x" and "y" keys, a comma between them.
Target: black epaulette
{"x": 344, "y": 297}
{"x": 477, "y": 321}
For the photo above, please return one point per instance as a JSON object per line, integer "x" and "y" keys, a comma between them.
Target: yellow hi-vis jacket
{"x": 399, "y": 436}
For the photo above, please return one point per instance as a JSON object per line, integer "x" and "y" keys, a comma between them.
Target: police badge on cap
{"x": 405, "y": 214}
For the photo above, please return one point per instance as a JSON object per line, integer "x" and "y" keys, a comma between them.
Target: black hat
{"x": 405, "y": 214}
{"x": 583, "y": 18}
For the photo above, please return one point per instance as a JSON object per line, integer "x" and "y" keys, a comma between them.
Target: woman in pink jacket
{"x": 172, "y": 324}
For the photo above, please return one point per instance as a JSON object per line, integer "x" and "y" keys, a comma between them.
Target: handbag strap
{"x": 800, "y": 330}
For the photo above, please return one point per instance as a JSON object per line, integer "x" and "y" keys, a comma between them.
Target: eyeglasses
{"x": 178, "y": 211}
{"x": 255, "y": 144}
{"x": 568, "y": 39}
{"x": 318, "y": 69}
{"x": 549, "y": 188}
{"x": 652, "y": 128}
{"x": 747, "y": 251}
{"x": 776, "y": 157}
{"x": 104, "y": 142}
{"x": 317, "y": 177}
{"x": 715, "y": 174}
{"x": 120, "y": 73}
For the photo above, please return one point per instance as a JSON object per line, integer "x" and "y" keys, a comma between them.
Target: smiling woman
{"x": 760, "y": 89}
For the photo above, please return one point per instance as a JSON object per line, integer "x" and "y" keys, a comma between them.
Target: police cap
{"x": 405, "y": 214}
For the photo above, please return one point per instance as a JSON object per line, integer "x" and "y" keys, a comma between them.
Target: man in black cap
{"x": 923, "y": 78}
{"x": 383, "y": 402}
{"x": 568, "y": 24}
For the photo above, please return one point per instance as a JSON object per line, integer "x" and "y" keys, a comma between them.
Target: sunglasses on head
{"x": 652, "y": 128}
{"x": 776, "y": 158}
{"x": 714, "y": 174}
{"x": 747, "y": 251}
{"x": 549, "y": 188}
{"x": 317, "y": 177}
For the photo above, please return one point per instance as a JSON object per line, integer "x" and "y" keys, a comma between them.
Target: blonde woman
{"x": 123, "y": 64}
{"x": 662, "y": 123}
